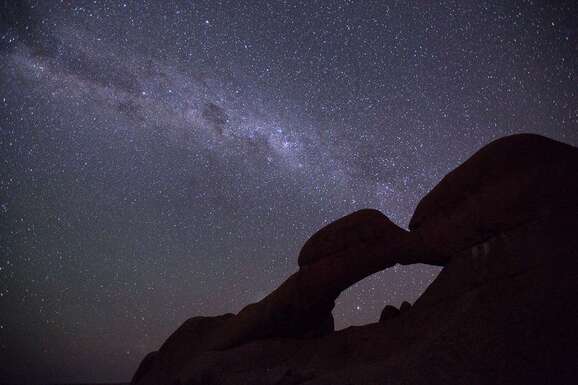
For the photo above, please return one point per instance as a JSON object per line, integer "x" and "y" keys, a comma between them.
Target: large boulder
{"x": 344, "y": 236}
{"x": 510, "y": 181}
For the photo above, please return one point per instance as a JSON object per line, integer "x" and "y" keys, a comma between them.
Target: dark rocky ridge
{"x": 503, "y": 309}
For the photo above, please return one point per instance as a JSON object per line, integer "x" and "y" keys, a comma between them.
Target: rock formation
{"x": 502, "y": 310}
{"x": 509, "y": 182}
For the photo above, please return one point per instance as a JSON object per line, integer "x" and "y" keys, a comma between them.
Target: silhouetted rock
{"x": 405, "y": 306}
{"x": 343, "y": 237}
{"x": 503, "y": 309}
{"x": 145, "y": 367}
{"x": 388, "y": 313}
{"x": 510, "y": 181}
{"x": 193, "y": 336}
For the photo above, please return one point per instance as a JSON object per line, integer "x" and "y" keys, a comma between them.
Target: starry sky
{"x": 168, "y": 159}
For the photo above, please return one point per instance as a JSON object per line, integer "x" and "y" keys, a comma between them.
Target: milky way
{"x": 162, "y": 161}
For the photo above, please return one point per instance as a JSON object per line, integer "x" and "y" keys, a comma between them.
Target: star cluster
{"x": 162, "y": 160}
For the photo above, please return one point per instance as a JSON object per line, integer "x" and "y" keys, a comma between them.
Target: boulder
{"x": 510, "y": 181}
{"x": 343, "y": 237}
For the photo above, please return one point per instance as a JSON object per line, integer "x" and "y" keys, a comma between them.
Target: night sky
{"x": 163, "y": 160}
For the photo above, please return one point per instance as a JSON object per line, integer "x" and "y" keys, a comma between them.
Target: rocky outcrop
{"x": 343, "y": 237}
{"x": 509, "y": 182}
{"x": 501, "y": 311}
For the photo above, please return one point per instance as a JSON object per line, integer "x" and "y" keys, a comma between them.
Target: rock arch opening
{"x": 363, "y": 302}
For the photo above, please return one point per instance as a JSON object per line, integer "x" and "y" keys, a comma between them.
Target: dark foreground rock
{"x": 190, "y": 338}
{"x": 503, "y": 310}
{"x": 510, "y": 181}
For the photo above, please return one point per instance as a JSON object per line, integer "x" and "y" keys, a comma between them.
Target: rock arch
{"x": 512, "y": 181}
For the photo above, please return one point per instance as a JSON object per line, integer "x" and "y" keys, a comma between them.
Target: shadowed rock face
{"x": 344, "y": 236}
{"x": 492, "y": 221}
{"x": 510, "y": 181}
